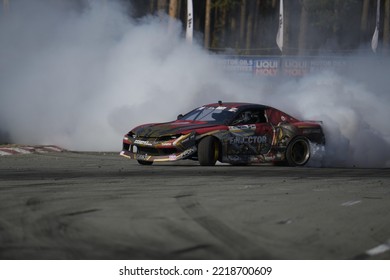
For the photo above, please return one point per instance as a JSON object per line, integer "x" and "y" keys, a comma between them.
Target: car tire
{"x": 208, "y": 151}
{"x": 144, "y": 162}
{"x": 298, "y": 151}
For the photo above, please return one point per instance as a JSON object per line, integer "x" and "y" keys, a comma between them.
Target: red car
{"x": 235, "y": 133}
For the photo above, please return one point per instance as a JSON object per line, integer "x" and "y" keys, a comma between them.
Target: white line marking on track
{"x": 380, "y": 249}
{"x": 21, "y": 151}
{"x": 4, "y": 153}
{"x": 7, "y": 150}
{"x": 350, "y": 203}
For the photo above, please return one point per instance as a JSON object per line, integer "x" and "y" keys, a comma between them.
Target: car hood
{"x": 170, "y": 128}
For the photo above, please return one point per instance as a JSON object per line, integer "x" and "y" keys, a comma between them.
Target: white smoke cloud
{"x": 81, "y": 80}
{"x": 355, "y": 118}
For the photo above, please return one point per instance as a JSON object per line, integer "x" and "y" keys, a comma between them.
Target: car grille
{"x": 156, "y": 139}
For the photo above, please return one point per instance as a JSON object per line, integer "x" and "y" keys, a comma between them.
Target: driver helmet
{"x": 244, "y": 117}
{"x": 247, "y": 116}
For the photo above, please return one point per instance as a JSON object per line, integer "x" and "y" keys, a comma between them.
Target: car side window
{"x": 250, "y": 117}
{"x": 243, "y": 118}
{"x": 259, "y": 117}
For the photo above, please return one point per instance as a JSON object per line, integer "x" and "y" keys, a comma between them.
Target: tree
{"x": 303, "y": 27}
{"x": 242, "y": 22}
{"x": 222, "y": 9}
{"x": 251, "y": 25}
{"x": 364, "y": 17}
{"x": 173, "y": 8}
{"x": 162, "y": 5}
{"x": 386, "y": 27}
{"x": 5, "y": 6}
{"x": 207, "y": 24}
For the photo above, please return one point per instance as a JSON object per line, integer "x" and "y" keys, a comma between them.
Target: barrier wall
{"x": 281, "y": 66}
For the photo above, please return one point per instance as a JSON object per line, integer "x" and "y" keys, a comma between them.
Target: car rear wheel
{"x": 144, "y": 162}
{"x": 208, "y": 151}
{"x": 298, "y": 151}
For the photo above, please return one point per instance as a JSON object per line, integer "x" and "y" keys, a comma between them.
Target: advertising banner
{"x": 330, "y": 64}
{"x": 240, "y": 65}
{"x": 281, "y": 66}
{"x": 267, "y": 67}
{"x": 295, "y": 67}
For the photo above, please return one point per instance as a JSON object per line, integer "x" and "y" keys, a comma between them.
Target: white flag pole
{"x": 279, "y": 36}
{"x": 190, "y": 21}
{"x": 374, "y": 41}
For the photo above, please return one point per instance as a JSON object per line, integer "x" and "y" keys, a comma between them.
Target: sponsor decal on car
{"x": 166, "y": 144}
{"x": 187, "y": 153}
{"x": 142, "y": 142}
{"x": 172, "y": 157}
{"x": 248, "y": 140}
{"x": 142, "y": 156}
{"x": 236, "y": 128}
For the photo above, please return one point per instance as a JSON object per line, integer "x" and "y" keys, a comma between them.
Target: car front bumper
{"x": 153, "y": 150}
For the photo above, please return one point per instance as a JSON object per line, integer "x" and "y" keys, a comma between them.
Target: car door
{"x": 249, "y": 135}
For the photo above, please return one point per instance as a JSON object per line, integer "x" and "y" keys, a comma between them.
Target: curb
{"x": 22, "y": 150}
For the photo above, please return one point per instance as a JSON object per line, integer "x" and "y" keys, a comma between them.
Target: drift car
{"x": 235, "y": 133}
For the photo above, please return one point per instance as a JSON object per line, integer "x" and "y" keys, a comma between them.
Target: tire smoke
{"x": 81, "y": 77}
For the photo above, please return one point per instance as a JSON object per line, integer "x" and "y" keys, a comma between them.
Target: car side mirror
{"x": 180, "y": 116}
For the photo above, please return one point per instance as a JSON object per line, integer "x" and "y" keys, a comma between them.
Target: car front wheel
{"x": 298, "y": 151}
{"x": 208, "y": 151}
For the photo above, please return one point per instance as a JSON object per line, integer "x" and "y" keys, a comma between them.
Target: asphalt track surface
{"x": 101, "y": 206}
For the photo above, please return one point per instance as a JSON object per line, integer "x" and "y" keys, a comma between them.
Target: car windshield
{"x": 210, "y": 114}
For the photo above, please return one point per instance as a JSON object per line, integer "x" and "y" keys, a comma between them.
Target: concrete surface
{"x": 101, "y": 206}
